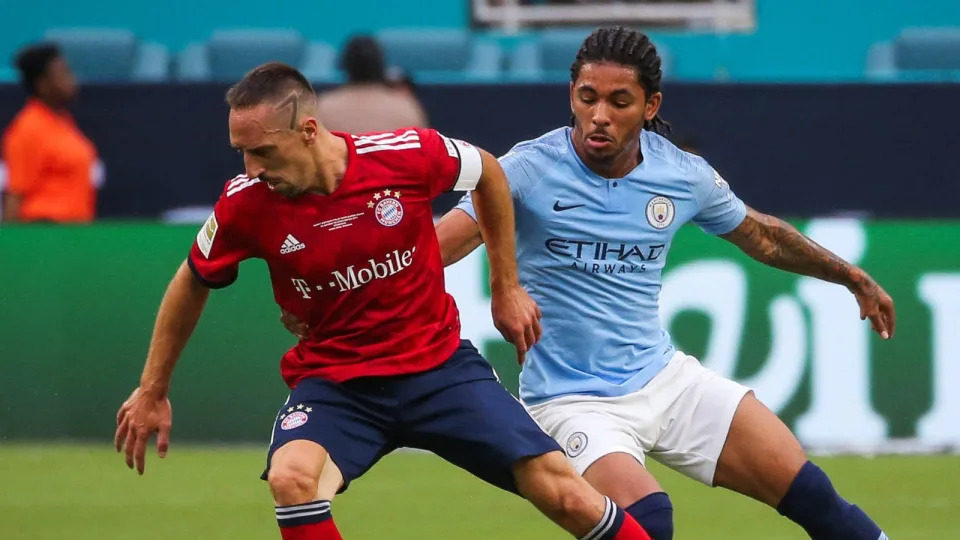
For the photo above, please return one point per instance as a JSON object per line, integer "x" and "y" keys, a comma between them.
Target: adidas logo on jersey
{"x": 290, "y": 245}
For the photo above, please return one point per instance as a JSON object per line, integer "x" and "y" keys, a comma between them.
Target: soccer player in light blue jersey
{"x": 597, "y": 206}
{"x": 596, "y": 209}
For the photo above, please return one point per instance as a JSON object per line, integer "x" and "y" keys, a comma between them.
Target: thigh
{"x": 461, "y": 413}
{"x": 588, "y": 429}
{"x": 351, "y": 426}
{"x": 699, "y": 407}
{"x": 761, "y": 457}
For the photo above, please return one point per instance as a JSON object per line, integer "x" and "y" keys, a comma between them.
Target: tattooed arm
{"x": 776, "y": 243}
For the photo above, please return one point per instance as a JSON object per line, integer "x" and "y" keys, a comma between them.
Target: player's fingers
{"x": 530, "y": 336}
{"x": 121, "y": 412}
{"x": 520, "y": 341}
{"x": 876, "y": 319}
{"x": 890, "y": 315}
{"x": 128, "y": 444}
{"x": 163, "y": 440}
{"x": 520, "y": 357}
{"x": 537, "y": 332}
{"x": 140, "y": 449}
{"x": 121, "y": 434}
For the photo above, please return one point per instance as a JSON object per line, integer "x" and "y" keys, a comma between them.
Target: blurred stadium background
{"x": 841, "y": 115}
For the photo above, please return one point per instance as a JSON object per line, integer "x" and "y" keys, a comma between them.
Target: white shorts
{"x": 680, "y": 418}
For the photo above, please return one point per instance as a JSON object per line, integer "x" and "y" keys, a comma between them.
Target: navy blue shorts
{"x": 457, "y": 410}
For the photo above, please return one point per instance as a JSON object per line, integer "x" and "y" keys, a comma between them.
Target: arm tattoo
{"x": 778, "y": 244}
{"x": 292, "y": 100}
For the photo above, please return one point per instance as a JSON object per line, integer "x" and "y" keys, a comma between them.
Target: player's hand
{"x": 876, "y": 305}
{"x": 517, "y": 317}
{"x": 294, "y": 325}
{"x": 140, "y": 416}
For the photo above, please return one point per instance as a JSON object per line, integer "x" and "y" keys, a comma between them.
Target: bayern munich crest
{"x": 387, "y": 207}
{"x": 660, "y": 211}
{"x": 294, "y": 417}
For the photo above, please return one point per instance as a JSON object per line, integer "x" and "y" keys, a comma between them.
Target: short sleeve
{"x": 520, "y": 175}
{"x": 719, "y": 209}
{"x": 219, "y": 248}
{"x": 24, "y": 160}
{"x": 451, "y": 164}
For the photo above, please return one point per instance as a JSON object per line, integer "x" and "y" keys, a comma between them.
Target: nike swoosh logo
{"x": 558, "y": 208}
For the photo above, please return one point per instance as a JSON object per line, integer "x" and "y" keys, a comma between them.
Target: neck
{"x": 616, "y": 167}
{"x": 330, "y": 161}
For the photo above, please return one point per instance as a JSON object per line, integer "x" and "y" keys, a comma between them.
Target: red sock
{"x": 325, "y": 530}
{"x": 617, "y": 525}
{"x": 630, "y": 530}
{"x": 309, "y": 521}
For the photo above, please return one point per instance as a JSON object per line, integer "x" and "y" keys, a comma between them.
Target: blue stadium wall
{"x": 786, "y": 149}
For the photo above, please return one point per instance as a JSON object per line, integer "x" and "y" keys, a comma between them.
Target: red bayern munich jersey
{"x": 361, "y": 266}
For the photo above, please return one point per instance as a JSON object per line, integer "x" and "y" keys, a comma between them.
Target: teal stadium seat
{"x": 111, "y": 55}
{"x": 230, "y": 53}
{"x": 930, "y": 54}
{"x": 442, "y": 55}
{"x": 548, "y": 55}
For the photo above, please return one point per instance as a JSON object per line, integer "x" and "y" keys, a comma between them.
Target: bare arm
{"x": 179, "y": 312}
{"x": 776, "y": 243}
{"x": 148, "y": 410}
{"x": 495, "y": 218}
{"x": 515, "y": 314}
{"x": 11, "y": 206}
{"x": 458, "y": 234}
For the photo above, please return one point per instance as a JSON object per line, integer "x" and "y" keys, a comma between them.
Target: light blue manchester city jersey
{"x": 591, "y": 251}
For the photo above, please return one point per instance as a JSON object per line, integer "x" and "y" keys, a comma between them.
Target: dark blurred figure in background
{"x": 51, "y": 166}
{"x": 687, "y": 143}
{"x": 368, "y": 102}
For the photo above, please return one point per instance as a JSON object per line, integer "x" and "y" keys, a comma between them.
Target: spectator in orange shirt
{"x": 50, "y": 164}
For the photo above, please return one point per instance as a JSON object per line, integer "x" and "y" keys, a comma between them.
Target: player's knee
{"x": 290, "y": 485}
{"x": 655, "y": 514}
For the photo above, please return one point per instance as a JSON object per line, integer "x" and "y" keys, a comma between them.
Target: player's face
{"x": 272, "y": 152}
{"x": 609, "y": 106}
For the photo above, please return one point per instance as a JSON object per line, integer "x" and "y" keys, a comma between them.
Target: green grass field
{"x": 86, "y": 492}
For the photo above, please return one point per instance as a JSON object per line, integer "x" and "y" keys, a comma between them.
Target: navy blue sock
{"x": 655, "y": 514}
{"x": 814, "y": 504}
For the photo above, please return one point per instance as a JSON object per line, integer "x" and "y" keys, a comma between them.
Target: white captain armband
{"x": 471, "y": 164}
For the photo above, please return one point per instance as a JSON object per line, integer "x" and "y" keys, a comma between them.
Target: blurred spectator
{"x": 368, "y": 102}
{"x": 51, "y": 166}
{"x": 687, "y": 143}
{"x": 400, "y": 79}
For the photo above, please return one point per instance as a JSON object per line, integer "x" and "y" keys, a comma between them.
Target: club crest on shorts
{"x": 294, "y": 417}
{"x": 660, "y": 212}
{"x": 387, "y": 207}
{"x": 576, "y": 444}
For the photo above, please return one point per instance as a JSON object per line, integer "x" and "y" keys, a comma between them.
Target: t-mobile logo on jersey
{"x": 394, "y": 262}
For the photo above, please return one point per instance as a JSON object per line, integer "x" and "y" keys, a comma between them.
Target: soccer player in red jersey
{"x": 345, "y": 225}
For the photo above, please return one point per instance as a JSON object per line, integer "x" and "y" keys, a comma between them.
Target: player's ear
{"x": 652, "y": 106}
{"x": 309, "y": 130}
